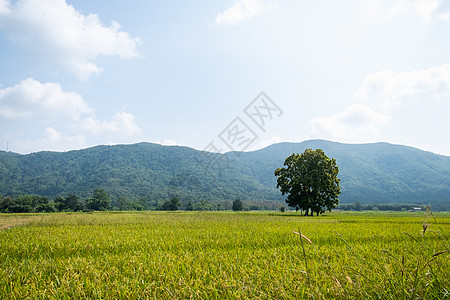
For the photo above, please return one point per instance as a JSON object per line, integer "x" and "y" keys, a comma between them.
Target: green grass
{"x": 223, "y": 255}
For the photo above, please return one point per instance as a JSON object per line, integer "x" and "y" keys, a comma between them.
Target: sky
{"x": 223, "y": 75}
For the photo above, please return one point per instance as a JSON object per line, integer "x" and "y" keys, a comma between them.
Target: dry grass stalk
{"x": 308, "y": 240}
{"x": 349, "y": 279}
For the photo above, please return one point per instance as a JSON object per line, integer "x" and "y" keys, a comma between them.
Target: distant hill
{"x": 370, "y": 173}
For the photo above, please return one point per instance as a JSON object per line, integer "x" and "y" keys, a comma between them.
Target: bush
{"x": 171, "y": 205}
{"x": 45, "y": 208}
{"x": 238, "y": 205}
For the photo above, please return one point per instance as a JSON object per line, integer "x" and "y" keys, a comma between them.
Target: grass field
{"x": 224, "y": 255}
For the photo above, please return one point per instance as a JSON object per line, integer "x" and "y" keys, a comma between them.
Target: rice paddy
{"x": 224, "y": 255}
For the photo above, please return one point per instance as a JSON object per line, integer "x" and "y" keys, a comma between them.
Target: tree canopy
{"x": 70, "y": 203}
{"x": 310, "y": 181}
{"x": 100, "y": 200}
{"x": 171, "y": 205}
{"x": 238, "y": 205}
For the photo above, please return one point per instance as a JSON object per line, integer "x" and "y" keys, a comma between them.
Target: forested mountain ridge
{"x": 377, "y": 173}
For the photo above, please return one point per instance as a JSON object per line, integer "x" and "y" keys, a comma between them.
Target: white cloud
{"x": 4, "y": 7}
{"x": 56, "y": 141}
{"x": 417, "y": 102}
{"x": 167, "y": 142}
{"x": 391, "y": 89}
{"x": 425, "y": 9}
{"x": 30, "y": 97}
{"x": 51, "y": 140}
{"x": 61, "y": 32}
{"x": 243, "y": 10}
{"x": 358, "y": 123}
{"x": 122, "y": 124}
{"x": 53, "y": 134}
{"x": 36, "y": 116}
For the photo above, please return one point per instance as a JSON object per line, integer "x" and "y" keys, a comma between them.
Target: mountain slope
{"x": 378, "y": 173}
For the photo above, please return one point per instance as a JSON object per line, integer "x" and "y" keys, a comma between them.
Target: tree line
{"x": 100, "y": 200}
{"x": 358, "y": 206}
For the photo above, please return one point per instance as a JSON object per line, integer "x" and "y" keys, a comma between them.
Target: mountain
{"x": 370, "y": 173}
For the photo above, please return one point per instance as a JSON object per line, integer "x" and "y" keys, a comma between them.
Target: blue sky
{"x": 75, "y": 74}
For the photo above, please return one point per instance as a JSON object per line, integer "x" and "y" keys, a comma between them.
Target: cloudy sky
{"x": 79, "y": 73}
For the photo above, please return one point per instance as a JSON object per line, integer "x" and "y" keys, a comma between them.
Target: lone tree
{"x": 238, "y": 205}
{"x": 310, "y": 181}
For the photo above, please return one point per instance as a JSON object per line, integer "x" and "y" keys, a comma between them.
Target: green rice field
{"x": 224, "y": 255}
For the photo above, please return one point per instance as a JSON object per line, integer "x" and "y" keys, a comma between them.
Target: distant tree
{"x": 60, "y": 204}
{"x": 123, "y": 203}
{"x": 31, "y": 200}
{"x": 45, "y": 208}
{"x": 282, "y": 209}
{"x": 143, "y": 203}
{"x": 5, "y": 203}
{"x": 203, "y": 206}
{"x": 136, "y": 205}
{"x": 70, "y": 203}
{"x": 100, "y": 200}
{"x": 238, "y": 205}
{"x": 189, "y": 206}
{"x": 254, "y": 207}
{"x": 172, "y": 204}
{"x": 73, "y": 202}
{"x": 19, "y": 208}
{"x": 310, "y": 181}
{"x": 357, "y": 206}
{"x": 154, "y": 205}
{"x": 10, "y": 205}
